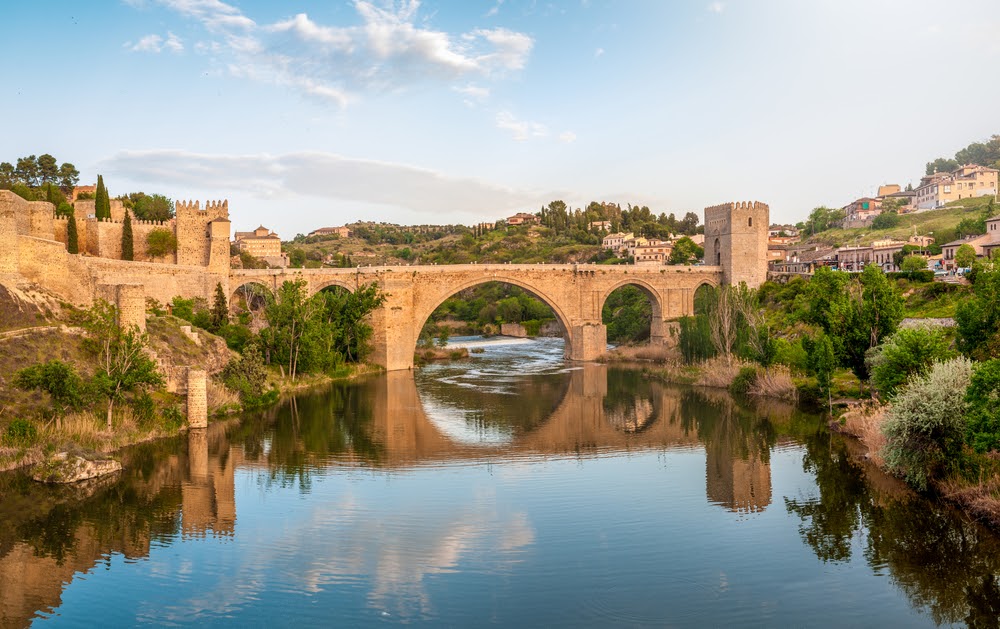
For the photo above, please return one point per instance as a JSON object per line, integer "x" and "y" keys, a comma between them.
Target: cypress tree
{"x": 72, "y": 241}
{"x": 220, "y": 311}
{"x": 102, "y": 204}
{"x": 127, "y": 247}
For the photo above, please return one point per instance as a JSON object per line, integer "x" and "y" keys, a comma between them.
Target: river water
{"x": 508, "y": 489}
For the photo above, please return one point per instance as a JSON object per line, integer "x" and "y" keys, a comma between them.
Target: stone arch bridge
{"x": 575, "y": 292}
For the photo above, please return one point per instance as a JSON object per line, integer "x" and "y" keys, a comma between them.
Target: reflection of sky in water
{"x": 503, "y": 363}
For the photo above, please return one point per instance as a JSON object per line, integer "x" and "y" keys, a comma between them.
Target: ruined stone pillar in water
{"x": 197, "y": 398}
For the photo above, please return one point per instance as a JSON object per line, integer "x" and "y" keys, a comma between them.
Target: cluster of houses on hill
{"x": 644, "y": 250}
{"x": 935, "y": 190}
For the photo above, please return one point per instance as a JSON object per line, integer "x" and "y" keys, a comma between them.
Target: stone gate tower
{"x": 736, "y": 240}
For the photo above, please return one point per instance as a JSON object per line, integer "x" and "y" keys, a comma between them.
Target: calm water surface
{"x": 510, "y": 489}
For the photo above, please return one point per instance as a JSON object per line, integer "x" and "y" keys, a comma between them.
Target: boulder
{"x": 72, "y": 468}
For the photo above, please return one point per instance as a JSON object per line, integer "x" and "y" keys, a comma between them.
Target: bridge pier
{"x": 587, "y": 341}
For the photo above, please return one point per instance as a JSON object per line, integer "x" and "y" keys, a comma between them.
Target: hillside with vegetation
{"x": 561, "y": 236}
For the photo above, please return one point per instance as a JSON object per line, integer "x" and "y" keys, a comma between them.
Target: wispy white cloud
{"x": 474, "y": 94}
{"x": 521, "y": 130}
{"x": 390, "y": 49}
{"x": 323, "y": 175}
{"x": 494, "y": 9}
{"x": 716, "y": 7}
{"x": 567, "y": 136}
{"x": 156, "y": 43}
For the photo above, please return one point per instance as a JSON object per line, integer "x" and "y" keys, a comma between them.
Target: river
{"x": 508, "y": 489}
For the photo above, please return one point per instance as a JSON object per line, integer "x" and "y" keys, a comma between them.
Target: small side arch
{"x": 349, "y": 286}
{"x": 645, "y": 287}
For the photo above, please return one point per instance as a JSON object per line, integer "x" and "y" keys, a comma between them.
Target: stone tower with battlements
{"x": 203, "y": 234}
{"x": 736, "y": 240}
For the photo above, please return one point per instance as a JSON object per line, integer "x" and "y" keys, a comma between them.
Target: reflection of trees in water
{"x": 307, "y": 429}
{"x": 945, "y": 564}
{"x": 631, "y": 402}
{"x": 533, "y": 401}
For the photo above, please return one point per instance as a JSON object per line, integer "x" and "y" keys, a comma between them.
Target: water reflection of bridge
{"x": 188, "y": 488}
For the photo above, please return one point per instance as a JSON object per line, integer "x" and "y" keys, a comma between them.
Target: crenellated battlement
{"x": 738, "y": 205}
{"x": 193, "y": 209}
{"x": 65, "y": 219}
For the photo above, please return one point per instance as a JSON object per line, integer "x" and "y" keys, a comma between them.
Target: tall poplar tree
{"x": 102, "y": 203}
{"x": 72, "y": 240}
{"x": 128, "y": 252}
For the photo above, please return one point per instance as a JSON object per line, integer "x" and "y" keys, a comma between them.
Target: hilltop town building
{"x": 966, "y": 182}
{"x": 262, "y": 243}
{"x": 523, "y": 218}
{"x": 343, "y": 232}
{"x": 616, "y": 241}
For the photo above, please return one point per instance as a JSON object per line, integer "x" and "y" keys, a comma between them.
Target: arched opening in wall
{"x": 718, "y": 253}
{"x": 491, "y": 356}
{"x": 629, "y": 312}
{"x": 488, "y": 309}
{"x": 247, "y": 305}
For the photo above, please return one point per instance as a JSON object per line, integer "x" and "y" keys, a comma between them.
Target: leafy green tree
{"x": 150, "y": 207}
{"x": 913, "y": 263}
{"x": 876, "y": 308}
{"x": 977, "y": 318}
{"x": 885, "y": 220}
{"x": 685, "y": 251}
{"x": 160, "y": 242}
{"x": 58, "y": 379}
{"x": 965, "y": 256}
{"x": 627, "y": 313}
{"x": 941, "y": 165}
{"x": 68, "y": 177}
{"x": 220, "y": 308}
{"x": 906, "y": 353}
{"x": 122, "y": 364}
{"x": 442, "y": 338}
{"x": 822, "y": 219}
{"x": 128, "y": 247}
{"x": 822, "y": 363}
{"x": 72, "y": 238}
{"x": 983, "y": 415}
{"x": 27, "y": 172}
{"x": 48, "y": 169}
{"x": 925, "y": 426}
{"x": 695, "y": 339}
{"x": 247, "y": 376}
{"x": 102, "y": 203}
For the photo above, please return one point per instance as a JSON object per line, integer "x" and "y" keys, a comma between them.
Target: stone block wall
{"x": 736, "y": 240}
{"x": 8, "y": 232}
{"x": 130, "y": 299}
{"x": 194, "y": 241}
{"x": 197, "y": 398}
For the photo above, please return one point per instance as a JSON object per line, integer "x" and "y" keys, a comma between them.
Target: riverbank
{"x": 979, "y": 499}
{"x": 88, "y": 430}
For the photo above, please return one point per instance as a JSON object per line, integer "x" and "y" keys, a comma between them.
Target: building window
{"x": 750, "y": 222}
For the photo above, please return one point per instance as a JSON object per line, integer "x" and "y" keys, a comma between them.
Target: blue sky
{"x": 305, "y": 114}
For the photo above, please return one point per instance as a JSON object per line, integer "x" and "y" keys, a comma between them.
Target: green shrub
{"x": 743, "y": 381}
{"x": 983, "y": 415}
{"x": 21, "y": 432}
{"x": 925, "y": 427}
{"x": 905, "y": 353}
{"x": 143, "y": 408}
{"x": 172, "y": 416}
{"x": 246, "y": 375}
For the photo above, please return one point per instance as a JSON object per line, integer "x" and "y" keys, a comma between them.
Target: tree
{"x": 123, "y": 366}
{"x": 906, "y": 353}
{"x": 72, "y": 239}
{"x": 925, "y": 426}
{"x": 983, "y": 416}
{"x": 941, "y": 165}
{"x": 725, "y": 319}
{"x": 26, "y": 171}
{"x": 48, "y": 169}
{"x": 220, "y": 309}
{"x": 978, "y": 317}
{"x": 965, "y": 256}
{"x": 443, "y": 334}
{"x": 160, "y": 242}
{"x": 128, "y": 252}
{"x": 58, "y": 379}
{"x": 885, "y": 220}
{"x": 150, "y": 207}
{"x": 102, "y": 203}
{"x": 912, "y": 264}
{"x": 822, "y": 363}
{"x": 68, "y": 177}
{"x": 685, "y": 251}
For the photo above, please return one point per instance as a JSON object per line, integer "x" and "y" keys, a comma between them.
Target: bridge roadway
{"x": 575, "y": 292}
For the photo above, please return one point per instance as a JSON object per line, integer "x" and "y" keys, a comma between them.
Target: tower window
{"x": 750, "y": 221}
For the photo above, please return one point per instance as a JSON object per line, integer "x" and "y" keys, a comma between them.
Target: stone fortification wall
{"x": 194, "y": 246}
{"x": 104, "y": 238}
{"x": 86, "y": 208}
{"x": 162, "y": 282}
{"x": 736, "y": 240}
{"x": 130, "y": 300}
{"x": 9, "y": 253}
